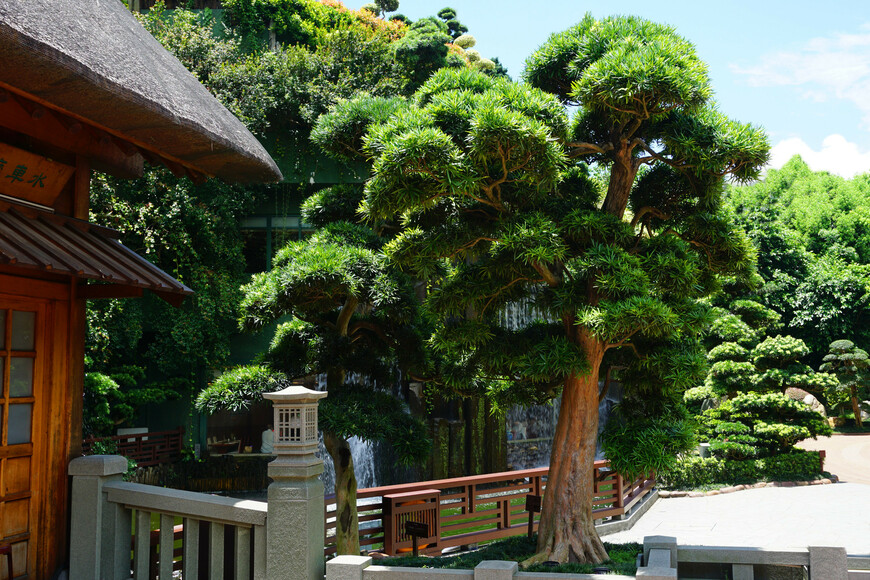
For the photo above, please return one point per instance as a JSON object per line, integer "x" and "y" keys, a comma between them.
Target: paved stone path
{"x": 770, "y": 517}
{"x": 776, "y": 517}
{"x": 847, "y": 456}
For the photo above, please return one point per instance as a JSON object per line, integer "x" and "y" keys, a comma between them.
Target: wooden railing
{"x": 145, "y": 449}
{"x": 474, "y": 509}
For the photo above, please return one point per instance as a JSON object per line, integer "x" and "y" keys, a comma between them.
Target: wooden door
{"x": 22, "y": 370}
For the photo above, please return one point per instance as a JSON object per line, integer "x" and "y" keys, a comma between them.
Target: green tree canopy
{"x": 851, "y": 366}
{"x": 488, "y": 180}
{"x": 812, "y": 233}
{"x": 343, "y": 312}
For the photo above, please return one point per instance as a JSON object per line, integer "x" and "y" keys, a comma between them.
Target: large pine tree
{"x": 491, "y": 185}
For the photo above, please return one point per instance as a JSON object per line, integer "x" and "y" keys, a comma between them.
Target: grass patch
{"x": 623, "y": 558}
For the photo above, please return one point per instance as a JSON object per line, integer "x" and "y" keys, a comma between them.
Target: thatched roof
{"x": 92, "y": 62}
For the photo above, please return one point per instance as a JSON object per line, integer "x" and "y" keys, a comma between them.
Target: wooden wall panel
{"x": 59, "y": 384}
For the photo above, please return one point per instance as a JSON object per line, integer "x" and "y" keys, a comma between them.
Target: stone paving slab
{"x": 770, "y": 517}
{"x": 848, "y": 455}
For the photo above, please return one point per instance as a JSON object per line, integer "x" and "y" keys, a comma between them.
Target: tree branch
{"x": 648, "y": 211}
{"x": 549, "y": 277}
{"x": 582, "y": 148}
{"x": 346, "y": 312}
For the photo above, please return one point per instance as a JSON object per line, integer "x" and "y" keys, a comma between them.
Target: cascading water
{"x": 530, "y": 430}
{"x": 372, "y": 462}
{"x": 363, "y": 464}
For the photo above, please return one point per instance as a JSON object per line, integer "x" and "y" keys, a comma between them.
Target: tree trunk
{"x": 567, "y": 531}
{"x": 856, "y": 408}
{"x": 346, "y": 518}
{"x": 622, "y": 176}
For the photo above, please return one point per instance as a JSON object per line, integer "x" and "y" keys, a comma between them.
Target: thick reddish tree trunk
{"x": 622, "y": 174}
{"x": 567, "y": 531}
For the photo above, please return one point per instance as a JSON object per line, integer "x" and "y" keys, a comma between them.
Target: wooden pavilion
{"x": 83, "y": 87}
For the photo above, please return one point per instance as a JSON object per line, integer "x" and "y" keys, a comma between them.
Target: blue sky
{"x": 799, "y": 69}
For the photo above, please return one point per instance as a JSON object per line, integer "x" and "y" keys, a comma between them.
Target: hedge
{"x": 694, "y": 471}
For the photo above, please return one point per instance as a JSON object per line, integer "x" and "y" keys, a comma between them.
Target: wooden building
{"x": 83, "y": 88}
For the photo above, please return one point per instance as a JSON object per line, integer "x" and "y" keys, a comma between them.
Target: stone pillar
{"x": 93, "y": 540}
{"x": 659, "y": 557}
{"x": 828, "y": 563}
{"x": 495, "y": 570}
{"x": 295, "y": 521}
{"x": 347, "y": 567}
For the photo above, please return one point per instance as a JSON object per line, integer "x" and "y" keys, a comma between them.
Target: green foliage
{"x": 777, "y": 361}
{"x": 773, "y": 363}
{"x": 298, "y": 22}
{"x": 811, "y": 231}
{"x": 111, "y": 399}
{"x": 239, "y": 388}
{"x": 692, "y": 472}
{"x": 484, "y": 177}
{"x": 364, "y": 412}
{"x": 759, "y": 425}
{"x": 698, "y": 399}
{"x": 192, "y": 233}
{"x": 851, "y": 366}
{"x": 646, "y": 445}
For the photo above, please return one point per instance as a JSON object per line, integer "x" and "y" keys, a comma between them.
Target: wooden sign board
{"x": 417, "y": 529}
{"x": 37, "y": 179}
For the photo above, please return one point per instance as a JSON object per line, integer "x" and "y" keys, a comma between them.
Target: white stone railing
{"x": 110, "y": 516}
{"x": 663, "y": 558}
{"x": 244, "y": 519}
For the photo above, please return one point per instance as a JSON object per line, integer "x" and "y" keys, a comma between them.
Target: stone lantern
{"x": 295, "y": 426}
{"x": 295, "y": 523}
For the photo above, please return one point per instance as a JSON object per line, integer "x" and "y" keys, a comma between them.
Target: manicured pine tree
{"x": 343, "y": 312}
{"x": 851, "y": 366}
{"x": 489, "y": 181}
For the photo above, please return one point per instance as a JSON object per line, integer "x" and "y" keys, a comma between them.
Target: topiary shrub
{"x": 694, "y": 472}
{"x": 698, "y": 399}
{"x": 759, "y": 425}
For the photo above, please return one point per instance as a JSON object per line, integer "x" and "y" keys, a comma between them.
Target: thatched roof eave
{"x": 94, "y": 62}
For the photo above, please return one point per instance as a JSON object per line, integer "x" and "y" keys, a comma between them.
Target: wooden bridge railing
{"x": 473, "y": 509}
{"x": 145, "y": 449}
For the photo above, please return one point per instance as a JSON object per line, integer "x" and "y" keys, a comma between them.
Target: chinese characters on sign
{"x": 25, "y": 175}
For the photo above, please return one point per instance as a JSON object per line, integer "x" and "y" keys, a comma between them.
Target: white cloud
{"x": 825, "y": 68}
{"x": 837, "y": 155}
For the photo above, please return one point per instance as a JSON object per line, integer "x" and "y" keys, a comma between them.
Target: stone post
{"x": 828, "y": 563}
{"x": 93, "y": 541}
{"x": 660, "y": 558}
{"x": 295, "y": 522}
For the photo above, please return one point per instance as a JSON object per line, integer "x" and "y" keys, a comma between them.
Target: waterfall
{"x": 531, "y": 429}
{"x": 373, "y": 462}
{"x": 363, "y": 464}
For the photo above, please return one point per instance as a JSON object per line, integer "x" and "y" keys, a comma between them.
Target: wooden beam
{"x": 171, "y": 297}
{"x": 82, "y": 188}
{"x": 17, "y": 114}
{"x": 140, "y": 145}
{"x": 97, "y": 291}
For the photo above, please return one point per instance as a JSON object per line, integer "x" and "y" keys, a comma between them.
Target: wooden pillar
{"x": 82, "y": 189}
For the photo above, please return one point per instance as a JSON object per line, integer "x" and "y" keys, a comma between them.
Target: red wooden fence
{"x": 473, "y": 509}
{"x": 144, "y": 448}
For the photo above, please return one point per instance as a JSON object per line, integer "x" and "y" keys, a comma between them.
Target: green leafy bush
{"x": 698, "y": 399}
{"x": 693, "y": 472}
{"x": 769, "y": 423}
